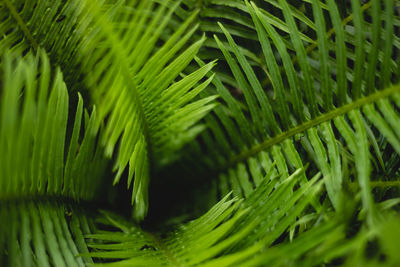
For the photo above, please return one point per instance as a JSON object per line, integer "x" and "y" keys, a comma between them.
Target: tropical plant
{"x": 261, "y": 133}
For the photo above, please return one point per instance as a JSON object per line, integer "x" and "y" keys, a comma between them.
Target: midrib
{"x": 119, "y": 52}
{"x": 22, "y": 24}
{"x": 309, "y": 124}
{"x": 163, "y": 249}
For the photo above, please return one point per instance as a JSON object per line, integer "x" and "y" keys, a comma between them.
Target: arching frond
{"x": 43, "y": 233}
{"x": 301, "y": 103}
{"x": 58, "y": 27}
{"x": 235, "y": 17}
{"x": 44, "y": 165}
{"x": 145, "y": 102}
{"x": 297, "y": 165}
{"x": 224, "y": 230}
{"x": 113, "y": 50}
{"x": 38, "y": 157}
{"x": 248, "y": 232}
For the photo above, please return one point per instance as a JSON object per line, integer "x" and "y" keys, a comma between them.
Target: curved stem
{"x": 22, "y": 24}
{"x": 312, "y": 123}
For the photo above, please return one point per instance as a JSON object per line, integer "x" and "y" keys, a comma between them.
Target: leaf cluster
{"x": 238, "y": 133}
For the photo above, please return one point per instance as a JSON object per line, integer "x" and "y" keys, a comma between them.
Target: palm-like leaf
{"x": 34, "y": 110}
{"x": 334, "y": 125}
{"x": 137, "y": 90}
{"x": 273, "y": 121}
{"x": 34, "y": 168}
{"x": 226, "y": 228}
{"x": 302, "y": 142}
{"x": 140, "y": 94}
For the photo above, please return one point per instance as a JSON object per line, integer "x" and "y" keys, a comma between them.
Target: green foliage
{"x": 284, "y": 152}
{"x": 37, "y": 160}
{"x": 39, "y": 170}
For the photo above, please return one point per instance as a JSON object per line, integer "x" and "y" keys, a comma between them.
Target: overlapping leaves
{"x": 39, "y": 158}
{"x": 44, "y": 165}
{"x": 140, "y": 93}
{"x": 326, "y": 99}
{"x": 303, "y": 98}
{"x": 110, "y": 50}
{"x": 224, "y": 231}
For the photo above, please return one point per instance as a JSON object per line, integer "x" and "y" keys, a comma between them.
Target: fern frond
{"x": 37, "y": 158}
{"x": 140, "y": 94}
{"x": 45, "y": 165}
{"x": 134, "y": 81}
{"x": 248, "y": 141}
{"x": 300, "y": 155}
{"x": 43, "y": 233}
{"x": 58, "y": 27}
{"x": 286, "y": 88}
{"x": 226, "y": 228}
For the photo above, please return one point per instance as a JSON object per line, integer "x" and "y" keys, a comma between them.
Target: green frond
{"x": 151, "y": 112}
{"x": 45, "y": 166}
{"x": 38, "y": 156}
{"x": 254, "y": 133}
{"x": 43, "y": 233}
{"x": 314, "y": 98}
{"x": 336, "y": 139}
{"x": 226, "y": 228}
{"x": 56, "y": 27}
{"x": 145, "y": 102}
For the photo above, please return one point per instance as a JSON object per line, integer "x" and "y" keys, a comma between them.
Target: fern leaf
{"x": 33, "y": 135}
{"x": 45, "y": 166}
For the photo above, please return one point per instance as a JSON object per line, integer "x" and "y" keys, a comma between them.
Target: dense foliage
{"x": 199, "y": 132}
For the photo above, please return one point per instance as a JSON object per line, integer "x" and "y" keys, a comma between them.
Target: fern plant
{"x": 261, "y": 133}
